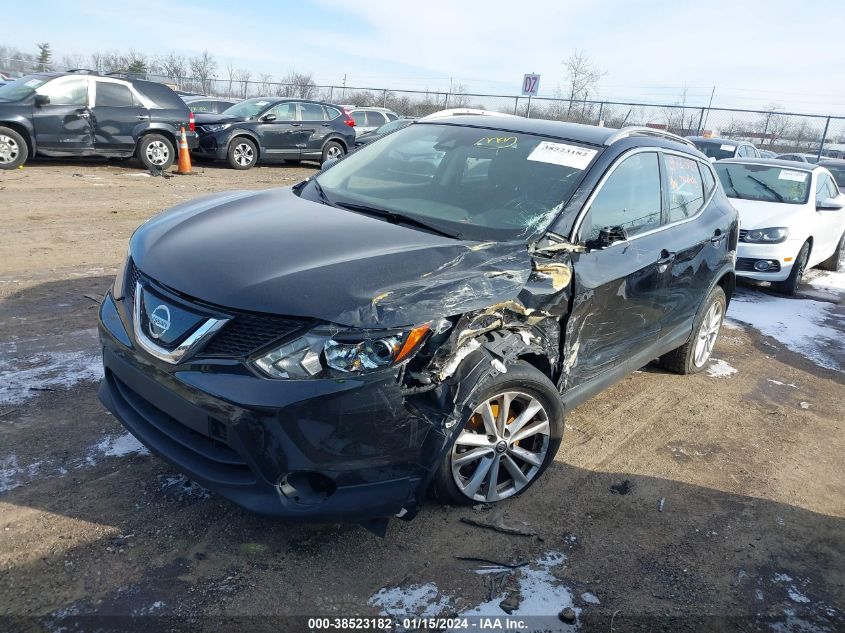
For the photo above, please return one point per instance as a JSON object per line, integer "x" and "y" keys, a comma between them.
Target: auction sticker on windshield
{"x": 562, "y": 154}
{"x": 788, "y": 174}
{"x": 727, "y": 148}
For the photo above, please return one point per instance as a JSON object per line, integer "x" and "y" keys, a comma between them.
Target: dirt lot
{"x": 713, "y": 502}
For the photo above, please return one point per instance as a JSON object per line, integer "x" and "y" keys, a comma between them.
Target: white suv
{"x": 369, "y": 119}
{"x": 791, "y": 217}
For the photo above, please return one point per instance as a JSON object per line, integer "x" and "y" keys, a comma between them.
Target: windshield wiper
{"x": 731, "y": 183}
{"x": 395, "y": 218}
{"x": 767, "y": 188}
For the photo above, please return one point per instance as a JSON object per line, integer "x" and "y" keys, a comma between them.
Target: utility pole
{"x": 713, "y": 92}
{"x": 343, "y": 95}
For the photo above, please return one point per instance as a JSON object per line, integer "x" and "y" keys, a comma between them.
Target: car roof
{"x": 774, "y": 162}
{"x": 190, "y": 98}
{"x": 590, "y": 134}
{"x": 834, "y": 162}
{"x": 717, "y": 139}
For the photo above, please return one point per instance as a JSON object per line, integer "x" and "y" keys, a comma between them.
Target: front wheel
{"x": 332, "y": 151}
{"x": 13, "y": 149}
{"x": 511, "y": 433}
{"x": 789, "y": 285}
{"x": 155, "y": 151}
{"x": 242, "y": 153}
{"x": 694, "y": 355}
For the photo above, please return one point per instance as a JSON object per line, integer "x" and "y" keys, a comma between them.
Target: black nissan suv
{"x": 419, "y": 315}
{"x": 275, "y": 130}
{"x": 88, "y": 114}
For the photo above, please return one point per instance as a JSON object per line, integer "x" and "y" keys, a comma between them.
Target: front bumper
{"x": 315, "y": 450}
{"x": 784, "y": 254}
{"x": 211, "y": 146}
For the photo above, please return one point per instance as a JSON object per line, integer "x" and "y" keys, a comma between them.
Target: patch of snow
{"x": 828, "y": 281}
{"x": 182, "y": 487}
{"x": 797, "y": 596}
{"x": 20, "y": 379}
{"x": 13, "y": 475}
{"x": 414, "y": 600}
{"x": 781, "y": 577}
{"x": 730, "y": 324}
{"x": 804, "y": 405}
{"x": 114, "y": 446}
{"x": 781, "y": 384}
{"x": 759, "y": 594}
{"x": 805, "y": 326}
{"x": 720, "y": 369}
{"x": 590, "y": 598}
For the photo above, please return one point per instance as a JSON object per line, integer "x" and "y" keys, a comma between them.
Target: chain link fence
{"x": 776, "y": 131}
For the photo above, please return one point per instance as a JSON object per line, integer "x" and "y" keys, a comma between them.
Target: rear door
{"x": 64, "y": 124}
{"x": 117, "y": 113}
{"x": 696, "y": 248}
{"x": 280, "y": 137}
{"x": 619, "y": 286}
{"x": 313, "y": 128}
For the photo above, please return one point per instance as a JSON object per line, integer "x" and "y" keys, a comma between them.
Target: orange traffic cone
{"x": 184, "y": 155}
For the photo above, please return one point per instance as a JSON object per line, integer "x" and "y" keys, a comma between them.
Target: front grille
{"x": 246, "y": 333}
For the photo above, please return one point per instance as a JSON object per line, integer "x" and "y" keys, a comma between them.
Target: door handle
{"x": 143, "y": 117}
{"x": 296, "y": 124}
{"x": 718, "y": 236}
{"x": 84, "y": 114}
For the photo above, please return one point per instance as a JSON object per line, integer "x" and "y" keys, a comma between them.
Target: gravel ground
{"x": 710, "y": 502}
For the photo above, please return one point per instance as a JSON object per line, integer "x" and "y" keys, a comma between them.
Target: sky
{"x": 755, "y": 53}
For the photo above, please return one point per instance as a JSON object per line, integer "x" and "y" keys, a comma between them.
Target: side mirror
{"x": 831, "y": 204}
{"x": 267, "y": 118}
{"x": 41, "y": 100}
{"x": 610, "y": 235}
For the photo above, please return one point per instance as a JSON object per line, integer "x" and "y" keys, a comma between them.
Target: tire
{"x": 242, "y": 154}
{"x": 789, "y": 285}
{"x": 524, "y": 386}
{"x": 332, "y": 149}
{"x": 693, "y": 356}
{"x": 13, "y": 149}
{"x": 155, "y": 152}
{"x": 832, "y": 262}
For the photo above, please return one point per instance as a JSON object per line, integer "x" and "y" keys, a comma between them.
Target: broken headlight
{"x": 343, "y": 350}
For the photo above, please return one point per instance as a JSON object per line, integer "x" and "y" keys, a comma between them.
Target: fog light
{"x": 761, "y": 265}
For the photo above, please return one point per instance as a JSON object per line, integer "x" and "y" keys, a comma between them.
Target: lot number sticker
{"x": 788, "y": 174}
{"x": 727, "y": 148}
{"x": 562, "y": 154}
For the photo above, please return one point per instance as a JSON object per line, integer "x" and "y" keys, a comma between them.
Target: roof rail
{"x": 638, "y": 130}
{"x": 87, "y": 71}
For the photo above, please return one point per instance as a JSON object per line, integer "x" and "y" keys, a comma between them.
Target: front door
{"x": 63, "y": 124}
{"x": 620, "y": 280}
{"x": 827, "y": 224}
{"x": 117, "y": 113}
{"x": 279, "y": 133}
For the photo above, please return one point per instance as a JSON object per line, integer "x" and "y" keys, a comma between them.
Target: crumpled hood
{"x": 272, "y": 251}
{"x": 755, "y": 214}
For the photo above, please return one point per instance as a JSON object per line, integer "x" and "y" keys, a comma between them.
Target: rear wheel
{"x": 155, "y": 151}
{"x": 332, "y": 150}
{"x": 511, "y": 434}
{"x": 694, "y": 355}
{"x": 13, "y": 149}
{"x": 832, "y": 262}
{"x": 242, "y": 153}
{"x": 789, "y": 285}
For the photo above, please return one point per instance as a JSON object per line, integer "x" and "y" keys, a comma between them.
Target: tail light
{"x": 192, "y": 124}
{"x": 348, "y": 119}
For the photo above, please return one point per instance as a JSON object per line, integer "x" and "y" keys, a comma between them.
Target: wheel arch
{"x": 161, "y": 132}
{"x": 245, "y": 134}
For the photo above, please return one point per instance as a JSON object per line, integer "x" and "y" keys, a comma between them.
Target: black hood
{"x": 207, "y": 119}
{"x": 272, "y": 251}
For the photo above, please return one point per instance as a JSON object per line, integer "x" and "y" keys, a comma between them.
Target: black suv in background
{"x": 273, "y": 129}
{"x": 421, "y": 313}
{"x": 87, "y": 114}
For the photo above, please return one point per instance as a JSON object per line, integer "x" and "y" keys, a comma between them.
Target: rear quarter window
{"x": 160, "y": 94}
{"x": 686, "y": 192}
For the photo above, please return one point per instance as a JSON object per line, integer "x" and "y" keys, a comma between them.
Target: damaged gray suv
{"x": 418, "y": 316}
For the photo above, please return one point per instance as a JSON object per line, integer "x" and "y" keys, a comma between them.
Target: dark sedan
{"x": 274, "y": 130}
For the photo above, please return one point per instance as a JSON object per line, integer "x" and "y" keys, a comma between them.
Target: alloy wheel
{"x": 157, "y": 153}
{"x": 707, "y": 334}
{"x": 243, "y": 154}
{"x": 333, "y": 152}
{"x": 9, "y": 149}
{"x": 502, "y": 447}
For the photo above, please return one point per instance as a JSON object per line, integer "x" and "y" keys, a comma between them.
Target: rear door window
{"x": 686, "y": 192}
{"x": 331, "y": 112}
{"x": 115, "y": 95}
{"x": 630, "y": 198}
{"x": 311, "y": 112}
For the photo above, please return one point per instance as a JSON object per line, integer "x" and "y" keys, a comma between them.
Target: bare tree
{"x": 175, "y": 67}
{"x": 580, "y": 78}
{"x": 203, "y": 70}
{"x": 230, "y": 70}
{"x": 458, "y": 98}
{"x": 773, "y": 125}
{"x": 298, "y": 85}
{"x": 243, "y": 77}
{"x": 264, "y": 87}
